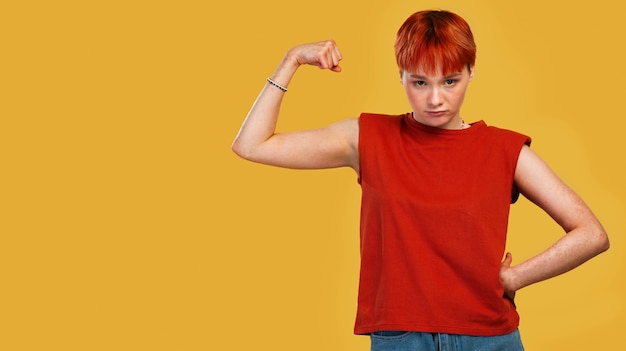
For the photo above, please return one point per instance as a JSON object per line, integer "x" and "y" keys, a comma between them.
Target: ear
{"x": 472, "y": 70}
{"x": 401, "y": 73}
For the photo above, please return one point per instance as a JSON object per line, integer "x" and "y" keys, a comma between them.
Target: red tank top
{"x": 434, "y": 216}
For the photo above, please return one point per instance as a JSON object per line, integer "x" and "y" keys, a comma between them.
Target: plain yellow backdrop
{"x": 127, "y": 223}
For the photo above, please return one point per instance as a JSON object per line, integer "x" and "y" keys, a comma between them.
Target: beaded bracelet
{"x": 269, "y": 80}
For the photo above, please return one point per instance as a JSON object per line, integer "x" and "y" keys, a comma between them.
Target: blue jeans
{"x": 413, "y": 341}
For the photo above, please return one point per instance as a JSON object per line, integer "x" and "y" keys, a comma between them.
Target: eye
{"x": 450, "y": 81}
{"x": 419, "y": 83}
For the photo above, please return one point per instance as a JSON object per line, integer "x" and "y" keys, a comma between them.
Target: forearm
{"x": 260, "y": 123}
{"x": 569, "y": 252}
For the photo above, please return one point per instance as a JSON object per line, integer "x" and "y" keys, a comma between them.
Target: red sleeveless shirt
{"x": 434, "y": 217}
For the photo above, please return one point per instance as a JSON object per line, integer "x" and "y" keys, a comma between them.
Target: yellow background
{"x": 126, "y": 222}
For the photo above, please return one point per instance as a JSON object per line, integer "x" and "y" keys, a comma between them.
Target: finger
{"x": 321, "y": 58}
{"x": 329, "y": 59}
{"x": 333, "y": 56}
{"x": 337, "y": 54}
{"x": 508, "y": 259}
{"x": 329, "y": 62}
{"x": 325, "y": 54}
{"x": 336, "y": 58}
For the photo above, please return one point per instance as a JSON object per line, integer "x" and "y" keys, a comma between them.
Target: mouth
{"x": 436, "y": 113}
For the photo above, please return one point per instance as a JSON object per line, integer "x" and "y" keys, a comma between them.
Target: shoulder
{"x": 508, "y": 135}
{"x": 379, "y": 122}
{"x": 378, "y": 117}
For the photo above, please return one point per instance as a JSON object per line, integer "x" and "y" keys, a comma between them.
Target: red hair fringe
{"x": 433, "y": 40}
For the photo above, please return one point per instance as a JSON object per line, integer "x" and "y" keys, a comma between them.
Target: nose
{"x": 435, "y": 98}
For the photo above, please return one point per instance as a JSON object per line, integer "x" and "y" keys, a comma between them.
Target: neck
{"x": 462, "y": 124}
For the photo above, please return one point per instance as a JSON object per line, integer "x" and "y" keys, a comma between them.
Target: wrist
{"x": 285, "y": 70}
{"x": 290, "y": 60}
{"x": 510, "y": 280}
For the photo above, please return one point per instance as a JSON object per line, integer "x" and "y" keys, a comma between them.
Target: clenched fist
{"x": 323, "y": 54}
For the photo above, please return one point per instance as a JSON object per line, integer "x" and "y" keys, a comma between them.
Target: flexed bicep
{"x": 332, "y": 146}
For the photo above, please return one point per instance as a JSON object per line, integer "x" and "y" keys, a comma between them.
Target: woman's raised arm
{"x": 331, "y": 146}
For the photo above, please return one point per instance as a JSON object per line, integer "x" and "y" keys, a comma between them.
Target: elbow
{"x": 241, "y": 150}
{"x": 603, "y": 241}
{"x": 600, "y": 241}
{"x": 238, "y": 149}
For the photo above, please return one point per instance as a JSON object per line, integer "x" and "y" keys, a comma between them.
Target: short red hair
{"x": 435, "y": 39}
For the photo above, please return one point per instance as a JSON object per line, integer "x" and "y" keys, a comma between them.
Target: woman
{"x": 436, "y": 195}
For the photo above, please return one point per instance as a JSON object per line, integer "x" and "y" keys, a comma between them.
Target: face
{"x": 436, "y": 99}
